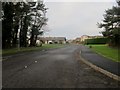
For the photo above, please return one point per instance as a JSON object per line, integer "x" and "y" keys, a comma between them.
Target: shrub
{"x": 96, "y": 41}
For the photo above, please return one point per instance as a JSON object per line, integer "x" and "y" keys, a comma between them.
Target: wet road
{"x": 55, "y": 68}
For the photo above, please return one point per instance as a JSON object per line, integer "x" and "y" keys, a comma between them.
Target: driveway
{"x": 55, "y": 68}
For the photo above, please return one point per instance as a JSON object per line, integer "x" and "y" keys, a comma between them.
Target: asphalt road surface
{"x": 55, "y": 68}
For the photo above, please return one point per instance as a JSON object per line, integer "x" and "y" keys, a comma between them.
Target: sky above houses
{"x": 74, "y": 18}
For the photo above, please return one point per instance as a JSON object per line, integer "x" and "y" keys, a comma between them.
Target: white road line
{"x": 25, "y": 66}
{"x": 35, "y": 61}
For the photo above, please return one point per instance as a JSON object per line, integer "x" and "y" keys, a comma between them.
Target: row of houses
{"x": 83, "y": 38}
{"x": 62, "y": 40}
{"x": 52, "y": 40}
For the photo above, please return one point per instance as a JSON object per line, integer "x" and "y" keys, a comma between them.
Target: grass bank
{"x": 29, "y": 49}
{"x": 106, "y": 51}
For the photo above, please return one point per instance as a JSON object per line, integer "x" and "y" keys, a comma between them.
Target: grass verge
{"x": 106, "y": 51}
{"x": 29, "y": 49}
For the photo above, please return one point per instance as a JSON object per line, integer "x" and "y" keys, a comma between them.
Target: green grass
{"x": 106, "y": 51}
{"x": 29, "y": 49}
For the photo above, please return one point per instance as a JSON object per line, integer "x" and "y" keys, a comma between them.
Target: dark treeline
{"x": 111, "y": 25}
{"x": 22, "y": 23}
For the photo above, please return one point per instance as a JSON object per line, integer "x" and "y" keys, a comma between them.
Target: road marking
{"x": 25, "y": 66}
{"x": 35, "y": 61}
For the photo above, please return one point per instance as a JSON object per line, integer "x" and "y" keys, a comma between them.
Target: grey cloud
{"x": 75, "y": 19}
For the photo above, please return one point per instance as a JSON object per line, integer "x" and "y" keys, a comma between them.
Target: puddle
{"x": 60, "y": 57}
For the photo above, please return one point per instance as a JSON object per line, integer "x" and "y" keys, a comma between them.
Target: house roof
{"x": 52, "y": 38}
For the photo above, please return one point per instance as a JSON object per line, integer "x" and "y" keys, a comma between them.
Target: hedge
{"x": 96, "y": 41}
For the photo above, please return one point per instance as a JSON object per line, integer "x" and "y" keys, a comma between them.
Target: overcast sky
{"x": 74, "y": 19}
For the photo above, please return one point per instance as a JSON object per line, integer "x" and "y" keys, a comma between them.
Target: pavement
{"x": 100, "y": 61}
{"x": 55, "y": 68}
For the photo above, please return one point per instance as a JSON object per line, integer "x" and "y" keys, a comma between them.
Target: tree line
{"x": 111, "y": 25}
{"x": 22, "y": 23}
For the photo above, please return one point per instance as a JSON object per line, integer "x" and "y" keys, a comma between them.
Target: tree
{"x": 111, "y": 25}
{"x": 7, "y": 24}
{"x": 18, "y": 18}
{"x": 39, "y": 20}
{"x": 25, "y": 21}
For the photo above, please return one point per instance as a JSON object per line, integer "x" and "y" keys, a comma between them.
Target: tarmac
{"x": 104, "y": 64}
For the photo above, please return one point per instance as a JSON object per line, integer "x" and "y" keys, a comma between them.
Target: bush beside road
{"x": 97, "y": 41}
